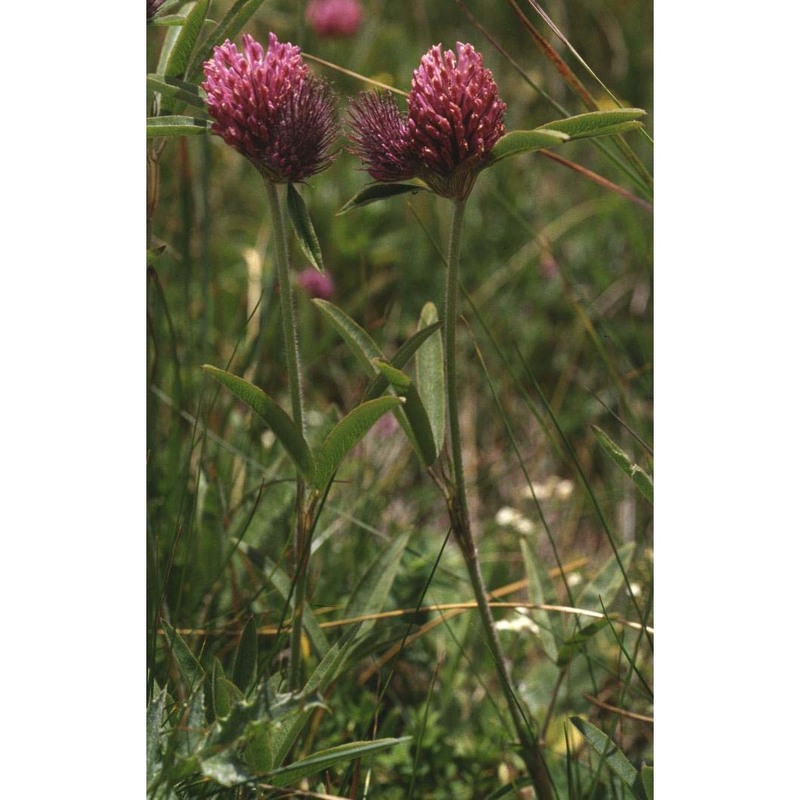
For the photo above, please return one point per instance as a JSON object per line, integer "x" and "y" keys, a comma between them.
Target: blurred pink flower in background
{"x": 334, "y": 18}
{"x": 315, "y": 283}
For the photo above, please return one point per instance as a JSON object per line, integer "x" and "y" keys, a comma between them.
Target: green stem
{"x": 292, "y": 349}
{"x": 459, "y": 517}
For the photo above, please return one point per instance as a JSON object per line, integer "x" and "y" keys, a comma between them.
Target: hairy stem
{"x": 459, "y": 517}
{"x": 292, "y": 349}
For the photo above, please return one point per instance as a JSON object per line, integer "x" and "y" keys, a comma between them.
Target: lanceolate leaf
{"x": 643, "y": 482}
{"x": 355, "y": 337}
{"x": 377, "y": 386}
{"x": 347, "y": 434}
{"x": 516, "y": 142}
{"x": 180, "y": 42}
{"x": 175, "y": 126}
{"x": 303, "y": 227}
{"x": 414, "y": 410}
{"x": 191, "y": 669}
{"x": 177, "y": 89}
{"x": 245, "y": 667}
{"x": 281, "y": 424}
{"x": 430, "y": 374}
{"x": 380, "y": 191}
{"x": 596, "y": 123}
{"x": 609, "y": 751}
{"x": 327, "y": 758}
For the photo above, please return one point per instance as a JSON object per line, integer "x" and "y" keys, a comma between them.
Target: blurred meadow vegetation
{"x": 556, "y": 343}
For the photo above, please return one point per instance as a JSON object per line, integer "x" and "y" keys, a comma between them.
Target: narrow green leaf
{"x": 355, "y": 337}
{"x": 155, "y": 713}
{"x": 377, "y": 386}
{"x": 372, "y": 590}
{"x": 258, "y": 752}
{"x": 607, "y": 750}
{"x": 607, "y": 582}
{"x": 537, "y": 581}
{"x": 223, "y": 693}
{"x": 278, "y": 420}
{"x": 281, "y": 581}
{"x": 430, "y": 374}
{"x": 414, "y": 409}
{"x": 575, "y": 643}
{"x": 594, "y": 123}
{"x": 332, "y": 664}
{"x": 647, "y": 780}
{"x": 245, "y": 667}
{"x": 191, "y": 669}
{"x": 179, "y": 90}
{"x": 516, "y": 142}
{"x": 380, "y": 191}
{"x": 643, "y": 482}
{"x": 175, "y": 125}
{"x": 328, "y": 758}
{"x": 230, "y": 25}
{"x": 303, "y": 227}
{"x": 347, "y": 434}
{"x": 181, "y": 49}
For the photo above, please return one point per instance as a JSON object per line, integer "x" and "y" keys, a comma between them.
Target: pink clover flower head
{"x": 455, "y": 118}
{"x": 334, "y": 18}
{"x": 315, "y": 283}
{"x": 455, "y": 115}
{"x": 266, "y": 106}
{"x": 380, "y": 137}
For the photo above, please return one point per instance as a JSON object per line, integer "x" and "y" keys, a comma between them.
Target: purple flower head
{"x": 152, "y": 7}
{"x": 334, "y": 18}
{"x": 455, "y": 115}
{"x": 315, "y": 283}
{"x": 266, "y": 106}
{"x": 455, "y": 118}
{"x": 380, "y": 137}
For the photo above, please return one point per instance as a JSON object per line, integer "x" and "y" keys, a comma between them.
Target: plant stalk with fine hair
{"x": 459, "y": 516}
{"x": 291, "y": 347}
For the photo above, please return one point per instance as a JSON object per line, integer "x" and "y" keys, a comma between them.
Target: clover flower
{"x": 334, "y": 18}
{"x": 455, "y": 118}
{"x": 266, "y": 106}
{"x": 380, "y": 137}
{"x": 315, "y": 283}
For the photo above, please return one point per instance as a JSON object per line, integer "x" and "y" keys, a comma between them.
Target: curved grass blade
{"x": 347, "y": 433}
{"x": 414, "y": 410}
{"x": 642, "y": 481}
{"x": 328, "y": 758}
{"x": 380, "y": 191}
{"x": 278, "y": 420}
{"x": 191, "y": 669}
{"x": 175, "y": 126}
{"x": 303, "y": 227}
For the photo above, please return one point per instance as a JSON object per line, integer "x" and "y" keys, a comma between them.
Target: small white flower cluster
{"x": 552, "y": 488}
{"x": 511, "y": 518}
